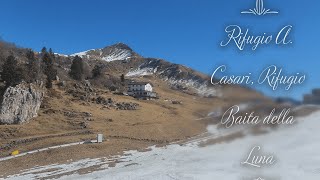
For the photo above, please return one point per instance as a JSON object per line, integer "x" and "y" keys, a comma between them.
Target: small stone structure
{"x": 99, "y": 138}
{"x": 313, "y": 98}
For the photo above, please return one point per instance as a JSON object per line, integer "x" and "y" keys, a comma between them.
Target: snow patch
{"x": 114, "y": 55}
{"x": 118, "y": 54}
{"x": 63, "y": 55}
{"x": 295, "y": 147}
{"x": 81, "y": 54}
{"x": 202, "y": 89}
{"x": 142, "y": 72}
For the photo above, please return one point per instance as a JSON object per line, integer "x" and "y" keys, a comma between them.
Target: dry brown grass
{"x": 155, "y": 122}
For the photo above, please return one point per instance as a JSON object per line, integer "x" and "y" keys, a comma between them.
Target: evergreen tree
{"x": 11, "y": 74}
{"x": 122, "y": 78}
{"x": 96, "y": 71}
{"x": 30, "y": 55}
{"x": 52, "y": 54}
{"x": 49, "y": 69}
{"x": 43, "y": 50}
{"x": 77, "y": 68}
{"x": 50, "y": 51}
{"x": 33, "y": 67}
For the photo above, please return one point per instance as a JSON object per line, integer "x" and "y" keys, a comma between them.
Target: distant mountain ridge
{"x": 130, "y": 63}
{"x": 119, "y": 59}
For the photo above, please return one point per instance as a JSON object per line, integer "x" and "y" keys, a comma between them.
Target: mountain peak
{"x": 120, "y": 45}
{"x": 119, "y": 51}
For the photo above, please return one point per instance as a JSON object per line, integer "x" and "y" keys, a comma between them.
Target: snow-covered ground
{"x": 202, "y": 89}
{"x": 114, "y": 55}
{"x": 296, "y": 150}
{"x": 45, "y": 149}
{"x": 141, "y": 72}
{"x": 83, "y": 53}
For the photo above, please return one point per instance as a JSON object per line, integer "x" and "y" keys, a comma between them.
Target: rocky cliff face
{"x": 21, "y": 103}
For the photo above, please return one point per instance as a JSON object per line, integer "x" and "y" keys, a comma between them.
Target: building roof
{"x": 138, "y": 83}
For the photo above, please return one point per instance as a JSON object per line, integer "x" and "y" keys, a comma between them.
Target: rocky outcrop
{"x": 21, "y": 103}
{"x": 82, "y": 91}
{"x": 110, "y": 103}
{"x": 126, "y": 106}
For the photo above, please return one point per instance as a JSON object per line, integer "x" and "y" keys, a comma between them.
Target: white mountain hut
{"x": 143, "y": 90}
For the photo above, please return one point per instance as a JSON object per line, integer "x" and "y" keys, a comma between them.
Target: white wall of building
{"x": 135, "y": 87}
{"x": 147, "y": 87}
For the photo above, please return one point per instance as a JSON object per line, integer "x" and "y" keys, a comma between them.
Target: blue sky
{"x": 182, "y": 31}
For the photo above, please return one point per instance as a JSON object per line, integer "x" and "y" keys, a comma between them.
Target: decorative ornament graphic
{"x": 259, "y": 10}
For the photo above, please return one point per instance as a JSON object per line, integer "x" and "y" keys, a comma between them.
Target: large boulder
{"x": 21, "y": 103}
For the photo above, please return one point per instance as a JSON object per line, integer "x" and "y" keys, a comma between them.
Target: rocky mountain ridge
{"x": 114, "y": 52}
{"x": 120, "y": 58}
